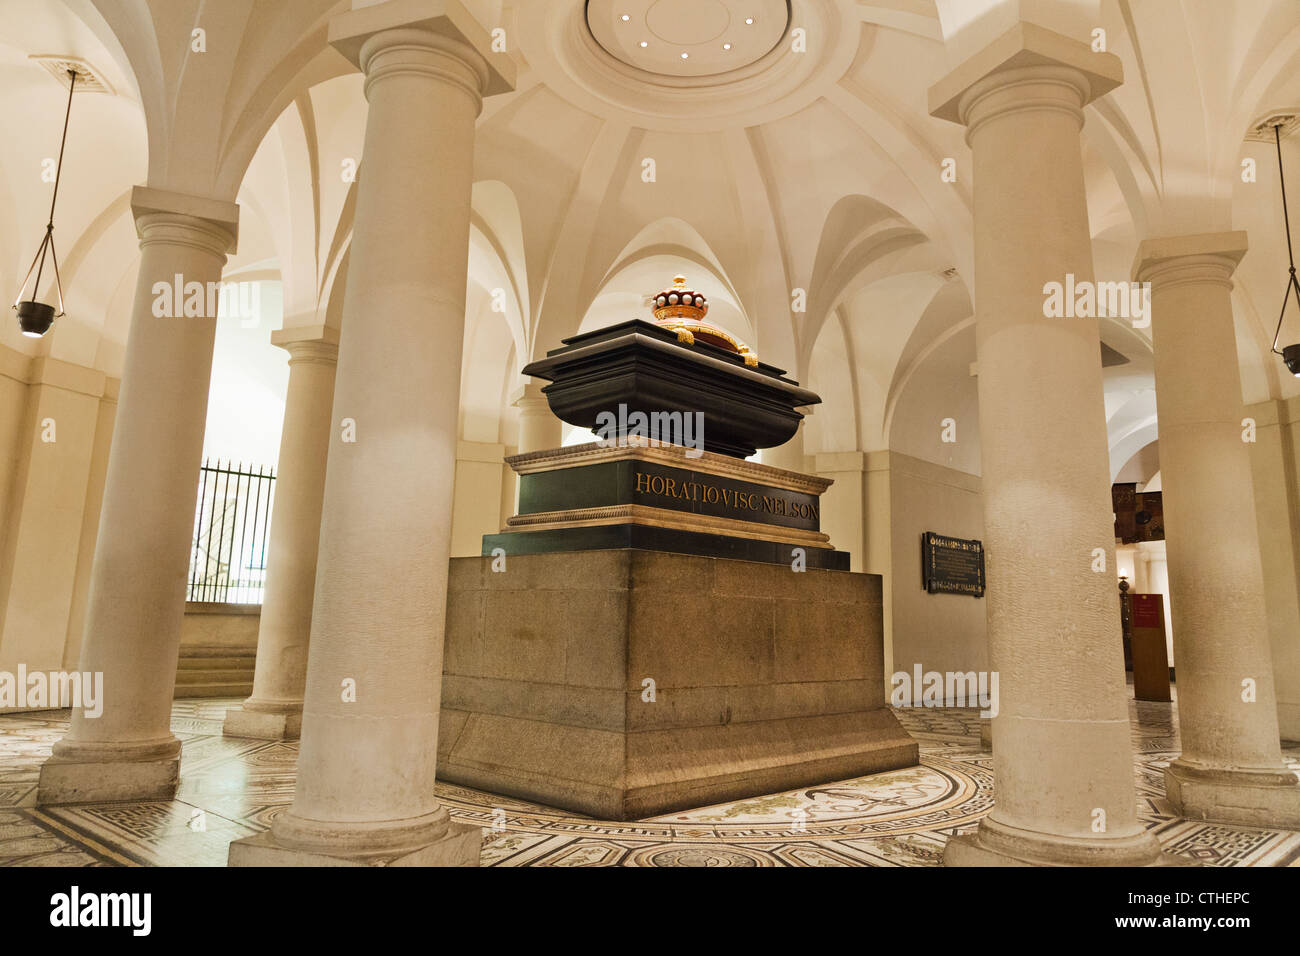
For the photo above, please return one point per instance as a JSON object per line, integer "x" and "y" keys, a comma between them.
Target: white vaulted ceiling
{"x": 777, "y": 166}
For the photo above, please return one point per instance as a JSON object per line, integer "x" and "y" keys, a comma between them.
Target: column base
{"x": 1288, "y": 723}
{"x": 264, "y": 720}
{"x": 986, "y": 734}
{"x": 995, "y": 844}
{"x": 82, "y": 772}
{"x": 1259, "y": 799}
{"x": 459, "y": 845}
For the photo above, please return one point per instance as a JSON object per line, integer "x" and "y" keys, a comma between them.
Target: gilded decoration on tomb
{"x": 682, "y": 310}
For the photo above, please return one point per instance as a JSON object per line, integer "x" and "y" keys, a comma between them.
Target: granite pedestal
{"x": 628, "y": 683}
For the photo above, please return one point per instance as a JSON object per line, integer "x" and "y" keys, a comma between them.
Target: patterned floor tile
{"x": 231, "y": 788}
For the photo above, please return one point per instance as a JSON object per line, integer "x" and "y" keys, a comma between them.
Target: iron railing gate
{"x": 231, "y": 522}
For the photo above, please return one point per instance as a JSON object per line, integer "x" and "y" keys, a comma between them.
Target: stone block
{"x": 764, "y": 680}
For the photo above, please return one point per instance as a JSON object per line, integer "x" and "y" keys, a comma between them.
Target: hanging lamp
{"x": 1291, "y": 353}
{"x": 36, "y": 317}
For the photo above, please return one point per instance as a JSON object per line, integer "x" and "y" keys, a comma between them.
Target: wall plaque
{"x": 952, "y": 565}
{"x": 1138, "y": 517}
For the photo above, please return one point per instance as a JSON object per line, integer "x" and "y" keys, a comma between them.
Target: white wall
{"x": 941, "y": 632}
{"x": 250, "y": 377}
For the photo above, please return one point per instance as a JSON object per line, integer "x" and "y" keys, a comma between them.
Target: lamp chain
{"x": 1292, "y": 282}
{"x": 48, "y": 242}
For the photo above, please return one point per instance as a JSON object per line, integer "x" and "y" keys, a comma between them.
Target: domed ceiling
{"x": 688, "y": 37}
{"x": 797, "y": 184}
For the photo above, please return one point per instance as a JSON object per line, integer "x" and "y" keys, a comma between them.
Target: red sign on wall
{"x": 1148, "y": 610}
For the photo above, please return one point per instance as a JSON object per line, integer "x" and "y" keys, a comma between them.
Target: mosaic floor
{"x": 233, "y": 788}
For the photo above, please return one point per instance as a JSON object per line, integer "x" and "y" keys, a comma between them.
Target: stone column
{"x": 1063, "y": 764}
{"x": 137, "y": 588}
{"x": 539, "y": 429}
{"x": 365, "y": 789}
{"x": 1275, "y": 457}
{"x": 477, "y": 508}
{"x": 790, "y": 456}
{"x": 1231, "y": 767}
{"x": 274, "y": 712}
{"x": 844, "y": 503}
{"x": 1141, "y": 571}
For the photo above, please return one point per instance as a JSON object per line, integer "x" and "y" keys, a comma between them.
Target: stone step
{"x": 233, "y": 662}
{"x": 235, "y": 689}
{"x": 215, "y": 670}
{"x": 215, "y": 675}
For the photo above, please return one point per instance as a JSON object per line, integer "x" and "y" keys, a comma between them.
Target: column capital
{"x": 440, "y": 26}
{"x": 317, "y": 344}
{"x": 1025, "y": 53}
{"x": 211, "y": 223}
{"x": 529, "y": 397}
{"x": 1203, "y": 257}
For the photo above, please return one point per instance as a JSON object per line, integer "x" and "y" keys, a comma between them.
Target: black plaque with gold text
{"x": 952, "y": 565}
{"x": 662, "y": 486}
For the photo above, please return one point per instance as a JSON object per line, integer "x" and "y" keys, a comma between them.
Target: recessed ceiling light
{"x": 726, "y": 46}
{"x": 749, "y": 21}
{"x": 686, "y": 56}
{"x": 626, "y": 18}
{"x": 643, "y": 43}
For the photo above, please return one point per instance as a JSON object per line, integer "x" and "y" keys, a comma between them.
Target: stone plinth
{"x": 764, "y": 679}
{"x": 663, "y": 497}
